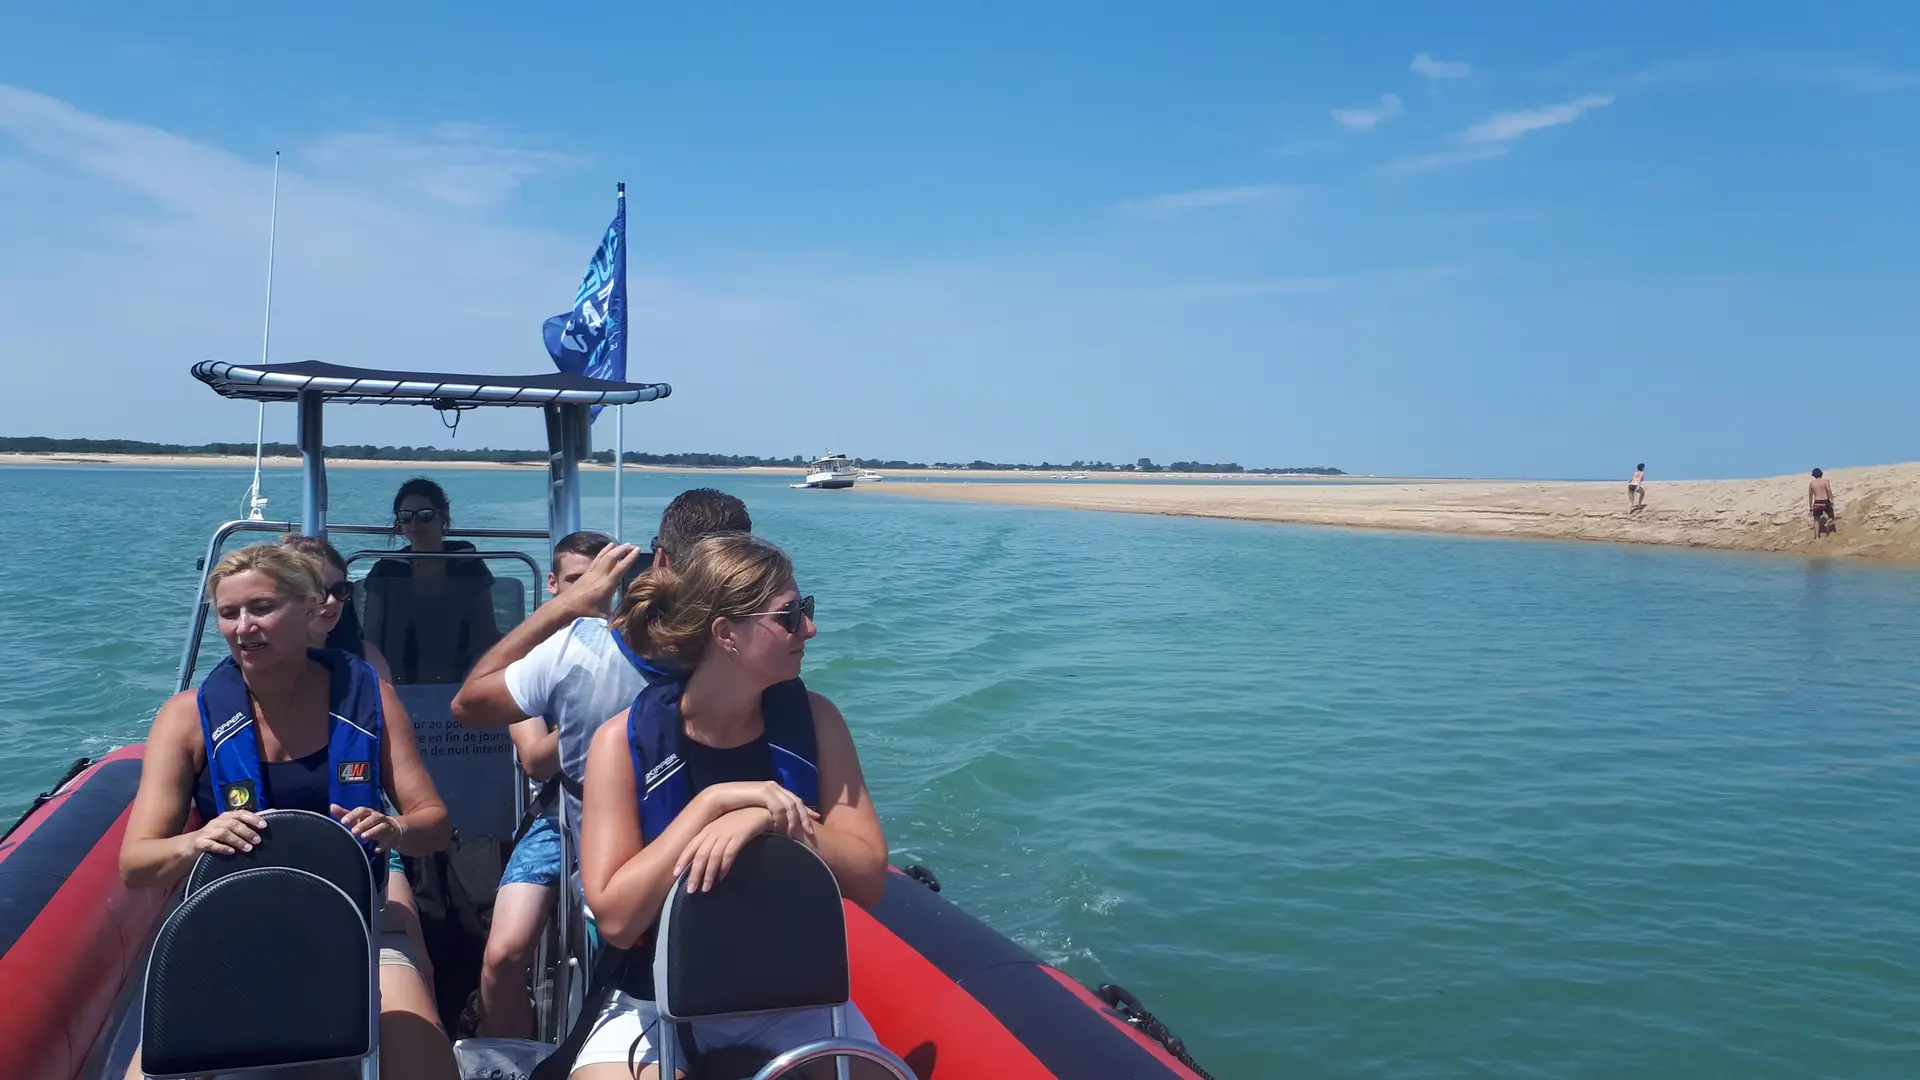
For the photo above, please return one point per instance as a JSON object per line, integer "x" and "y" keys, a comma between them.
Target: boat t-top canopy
{"x": 368, "y": 386}
{"x": 312, "y": 384}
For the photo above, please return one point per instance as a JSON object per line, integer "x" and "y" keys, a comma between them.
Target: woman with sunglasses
{"x": 432, "y": 617}
{"x": 336, "y": 621}
{"x": 730, "y": 746}
{"x": 335, "y": 626}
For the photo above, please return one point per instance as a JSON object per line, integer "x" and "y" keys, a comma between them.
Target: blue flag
{"x": 591, "y": 339}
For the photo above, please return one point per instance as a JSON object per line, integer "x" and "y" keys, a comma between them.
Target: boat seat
{"x": 770, "y": 937}
{"x": 302, "y": 840}
{"x": 474, "y": 771}
{"x": 264, "y": 972}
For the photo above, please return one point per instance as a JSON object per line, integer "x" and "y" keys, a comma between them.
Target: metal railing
{"x": 190, "y": 653}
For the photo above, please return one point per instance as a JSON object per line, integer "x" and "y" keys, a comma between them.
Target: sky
{"x": 1506, "y": 240}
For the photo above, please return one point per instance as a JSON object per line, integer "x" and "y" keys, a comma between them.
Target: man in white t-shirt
{"x": 565, "y": 664}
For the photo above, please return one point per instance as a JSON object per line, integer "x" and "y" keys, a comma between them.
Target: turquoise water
{"x": 1332, "y": 803}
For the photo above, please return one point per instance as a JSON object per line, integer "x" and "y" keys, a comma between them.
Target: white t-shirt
{"x": 578, "y": 678}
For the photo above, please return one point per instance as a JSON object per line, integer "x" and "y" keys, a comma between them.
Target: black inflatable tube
{"x": 33, "y": 869}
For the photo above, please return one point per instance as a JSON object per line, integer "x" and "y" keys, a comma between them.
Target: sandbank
{"x": 1879, "y": 508}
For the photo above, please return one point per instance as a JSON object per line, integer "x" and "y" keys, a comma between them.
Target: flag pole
{"x": 620, "y": 417}
{"x": 255, "y": 504}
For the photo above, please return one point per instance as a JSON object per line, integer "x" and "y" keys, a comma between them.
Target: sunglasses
{"x": 425, "y": 516}
{"x": 340, "y": 590}
{"x": 793, "y": 614}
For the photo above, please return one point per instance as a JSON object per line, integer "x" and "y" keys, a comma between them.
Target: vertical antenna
{"x": 255, "y": 504}
{"x": 620, "y": 420}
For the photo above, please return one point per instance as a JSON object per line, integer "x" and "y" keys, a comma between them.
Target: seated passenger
{"x": 336, "y": 626}
{"x": 526, "y": 888}
{"x": 308, "y": 714}
{"x": 759, "y": 754}
{"x": 337, "y": 622}
{"x": 431, "y": 617}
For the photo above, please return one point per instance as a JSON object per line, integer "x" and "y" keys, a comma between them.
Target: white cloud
{"x": 1363, "y": 118}
{"x": 1443, "y": 159}
{"x": 1424, "y": 64}
{"x": 1505, "y": 127}
{"x": 1177, "y": 204}
{"x": 462, "y": 165}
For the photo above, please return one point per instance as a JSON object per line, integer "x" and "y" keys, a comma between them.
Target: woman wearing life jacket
{"x": 336, "y": 621}
{"x": 730, "y": 746}
{"x": 280, "y": 725}
{"x": 335, "y": 626}
{"x": 431, "y": 617}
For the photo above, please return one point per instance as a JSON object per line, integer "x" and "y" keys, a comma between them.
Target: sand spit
{"x": 1879, "y": 508}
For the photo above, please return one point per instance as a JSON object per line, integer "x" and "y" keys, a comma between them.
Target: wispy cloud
{"x": 1180, "y": 203}
{"x": 1365, "y": 117}
{"x": 463, "y": 165}
{"x": 1505, "y": 127}
{"x": 1443, "y": 159}
{"x": 1494, "y": 136}
{"x": 1425, "y": 64}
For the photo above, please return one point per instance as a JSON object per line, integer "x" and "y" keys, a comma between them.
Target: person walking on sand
{"x": 1820, "y": 503}
{"x": 1637, "y": 488}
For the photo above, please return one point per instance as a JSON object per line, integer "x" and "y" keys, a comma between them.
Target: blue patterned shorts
{"x": 536, "y": 858}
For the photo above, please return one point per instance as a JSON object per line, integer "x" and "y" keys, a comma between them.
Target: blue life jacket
{"x": 659, "y": 775}
{"x": 353, "y": 743}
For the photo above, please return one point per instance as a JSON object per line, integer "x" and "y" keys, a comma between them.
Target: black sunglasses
{"x": 426, "y": 515}
{"x": 340, "y": 590}
{"x": 793, "y": 614}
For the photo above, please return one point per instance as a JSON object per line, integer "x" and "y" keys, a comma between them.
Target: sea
{"x": 1332, "y": 803}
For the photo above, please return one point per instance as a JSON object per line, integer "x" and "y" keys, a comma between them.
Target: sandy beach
{"x": 1879, "y": 508}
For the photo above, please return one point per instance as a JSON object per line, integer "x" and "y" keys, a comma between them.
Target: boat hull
{"x": 71, "y": 934}
{"x": 943, "y": 990}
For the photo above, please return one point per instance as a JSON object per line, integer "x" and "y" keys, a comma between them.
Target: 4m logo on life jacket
{"x": 239, "y": 796}
{"x": 355, "y": 772}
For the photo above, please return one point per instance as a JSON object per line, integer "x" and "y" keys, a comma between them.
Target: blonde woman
{"x": 297, "y": 728}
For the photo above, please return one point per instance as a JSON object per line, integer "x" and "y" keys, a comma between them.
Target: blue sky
{"x": 1470, "y": 239}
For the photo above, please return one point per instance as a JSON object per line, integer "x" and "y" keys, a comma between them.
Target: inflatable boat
{"x": 946, "y": 995}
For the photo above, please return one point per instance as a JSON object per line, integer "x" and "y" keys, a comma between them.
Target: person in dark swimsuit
{"x": 1820, "y": 503}
{"x": 729, "y": 745}
{"x": 265, "y": 598}
{"x": 431, "y": 617}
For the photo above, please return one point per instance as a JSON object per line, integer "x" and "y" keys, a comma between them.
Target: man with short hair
{"x": 1820, "y": 503}
{"x": 564, "y": 663}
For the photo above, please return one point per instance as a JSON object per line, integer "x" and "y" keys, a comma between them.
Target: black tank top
{"x": 710, "y": 765}
{"x": 300, "y": 784}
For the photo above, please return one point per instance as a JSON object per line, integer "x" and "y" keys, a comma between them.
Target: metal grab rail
{"x": 191, "y": 651}
{"x": 839, "y": 1049}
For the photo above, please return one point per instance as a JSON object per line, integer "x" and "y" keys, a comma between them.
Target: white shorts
{"x": 629, "y": 1026}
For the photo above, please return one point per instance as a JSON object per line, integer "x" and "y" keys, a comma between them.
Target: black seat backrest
{"x": 264, "y": 967}
{"x": 305, "y": 841}
{"x": 770, "y": 936}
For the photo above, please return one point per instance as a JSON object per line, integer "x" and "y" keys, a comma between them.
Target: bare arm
{"x": 154, "y": 852}
{"x": 626, "y": 880}
{"x": 424, "y": 827}
{"x": 484, "y": 700}
{"x": 373, "y": 656}
{"x": 538, "y": 744}
{"x": 849, "y": 837}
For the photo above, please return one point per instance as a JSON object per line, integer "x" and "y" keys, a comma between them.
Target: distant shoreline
{"x": 230, "y": 461}
{"x": 1879, "y": 508}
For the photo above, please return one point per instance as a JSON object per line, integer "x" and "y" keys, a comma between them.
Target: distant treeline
{"x": 34, "y": 444}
